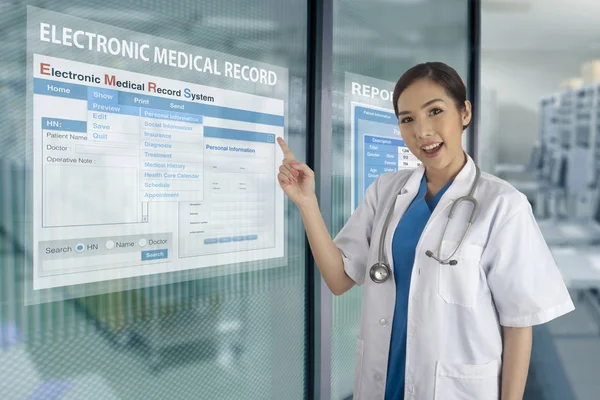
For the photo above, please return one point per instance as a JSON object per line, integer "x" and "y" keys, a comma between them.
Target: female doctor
{"x": 447, "y": 309}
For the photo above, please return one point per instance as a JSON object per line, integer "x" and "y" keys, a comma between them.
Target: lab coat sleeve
{"x": 354, "y": 238}
{"x": 525, "y": 282}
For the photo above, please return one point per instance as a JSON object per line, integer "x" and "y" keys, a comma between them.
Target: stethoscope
{"x": 380, "y": 271}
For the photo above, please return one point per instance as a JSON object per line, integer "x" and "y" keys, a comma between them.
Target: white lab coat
{"x": 505, "y": 276}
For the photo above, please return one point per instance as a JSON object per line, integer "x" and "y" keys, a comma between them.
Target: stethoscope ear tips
{"x": 429, "y": 254}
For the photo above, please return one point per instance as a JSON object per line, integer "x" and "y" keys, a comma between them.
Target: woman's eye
{"x": 435, "y": 111}
{"x": 405, "y": 120}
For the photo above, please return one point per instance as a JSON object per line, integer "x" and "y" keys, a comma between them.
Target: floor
{"x": 577, "y": 340}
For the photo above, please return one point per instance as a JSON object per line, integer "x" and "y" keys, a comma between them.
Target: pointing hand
{"x": 295, "y": 178}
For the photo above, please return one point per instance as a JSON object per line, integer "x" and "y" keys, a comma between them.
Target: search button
{"x": 155, "y": 254}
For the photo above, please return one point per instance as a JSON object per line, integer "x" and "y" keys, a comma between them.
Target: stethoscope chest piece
{"x": 379, "y": 272}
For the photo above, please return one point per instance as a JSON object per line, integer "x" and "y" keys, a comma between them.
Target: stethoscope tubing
{"x": 381, "y": 264}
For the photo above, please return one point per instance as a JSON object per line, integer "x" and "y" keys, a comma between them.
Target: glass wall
{"x": 374, "y": 42}
{"x": 539, "y": 129}
{"x": 146, "y": 249}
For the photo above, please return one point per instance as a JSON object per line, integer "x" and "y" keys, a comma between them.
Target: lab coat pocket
{"x": 467, "y": 381}
{"x": 459, "y": 284}
{"x": 360, "y": 348}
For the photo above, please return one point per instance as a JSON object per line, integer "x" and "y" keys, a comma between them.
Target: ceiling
{"x": 383, "y": 38}
{"x": 529, "y": 47}
{"x": 540, "y": 25}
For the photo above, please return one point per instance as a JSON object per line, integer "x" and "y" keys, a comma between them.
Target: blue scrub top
{"x": 404, "y": 244}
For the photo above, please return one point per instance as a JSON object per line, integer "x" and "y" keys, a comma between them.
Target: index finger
{"x": 287, "y": 153}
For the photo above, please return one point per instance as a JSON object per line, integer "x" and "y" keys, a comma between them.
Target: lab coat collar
{"x": 414, "y": 181}
{"x": 464, "y": 179}
{"x": 462, "y": 183}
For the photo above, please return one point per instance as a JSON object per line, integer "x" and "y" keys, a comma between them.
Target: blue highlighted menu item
{"x": 64, "y": 125}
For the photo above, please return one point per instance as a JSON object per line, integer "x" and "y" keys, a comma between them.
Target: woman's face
{"x": 431, "y": 125}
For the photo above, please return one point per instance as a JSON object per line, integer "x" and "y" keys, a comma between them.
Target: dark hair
{"x": 438, "y": 72}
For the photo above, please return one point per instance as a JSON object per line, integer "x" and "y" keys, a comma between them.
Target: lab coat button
{"x": 383, "y": 322}
{"x": 378, "y": 377}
